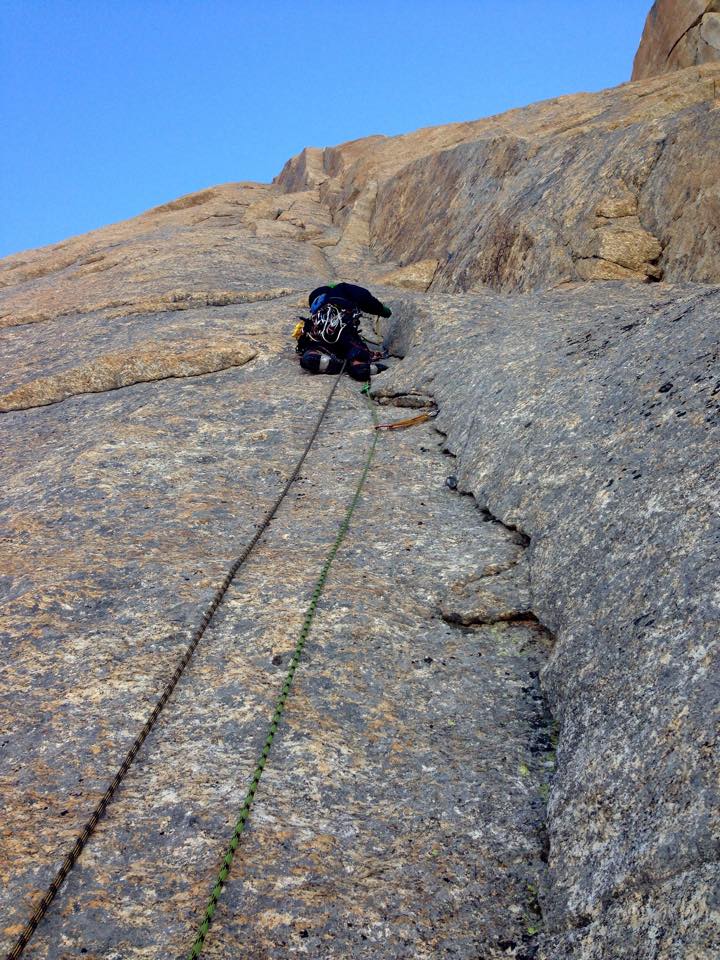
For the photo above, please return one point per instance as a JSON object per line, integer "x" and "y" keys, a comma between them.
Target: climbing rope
{"x": 282, "y": 699}
{"x": 81, "y": 840}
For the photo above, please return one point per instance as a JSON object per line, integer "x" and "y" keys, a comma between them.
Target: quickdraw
{"x": 409, "y": 422}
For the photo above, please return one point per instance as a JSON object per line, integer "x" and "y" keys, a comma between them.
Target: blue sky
{"x": 108, "y": 108}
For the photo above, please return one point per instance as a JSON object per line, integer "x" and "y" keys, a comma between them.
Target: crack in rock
{"x": 158, "y": 361}
{"x": 491, "y": 597}
{"x": 174, "y": 300}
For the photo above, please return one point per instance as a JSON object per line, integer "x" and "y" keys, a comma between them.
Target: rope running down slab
{"x": 224, "y": 872}
{"x": 78, "y": 846}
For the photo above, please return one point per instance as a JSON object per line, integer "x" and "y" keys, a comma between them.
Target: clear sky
{"x": 108, "y": 107}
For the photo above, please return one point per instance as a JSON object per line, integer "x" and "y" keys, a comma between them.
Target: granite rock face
{"x": 616, "y": 185}
{"x": 411, "y": 743}
{"x": 502, "y": 741}
{"x": 678, "y": 34}
{"x": 589, "y": 420}
{"x": 619, "y": 184}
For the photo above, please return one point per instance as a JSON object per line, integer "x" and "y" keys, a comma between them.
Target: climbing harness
{"x": 280, "y": 703}
{"x": 80, "y": 842}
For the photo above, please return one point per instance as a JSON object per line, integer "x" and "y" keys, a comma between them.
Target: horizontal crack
{"x": 511, "y": 616}
{"x": 168, "y": 302}
{"x": 416, "y": 400}
{"x": 116, "y": 370}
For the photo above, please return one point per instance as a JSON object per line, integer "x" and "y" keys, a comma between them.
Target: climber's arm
{"x": 363, "y": 298}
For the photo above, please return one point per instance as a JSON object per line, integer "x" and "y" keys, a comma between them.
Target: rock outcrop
{"x": 502, "y": 741}
{"x": 678, "y": 34}
{"x": 615, "y": 185}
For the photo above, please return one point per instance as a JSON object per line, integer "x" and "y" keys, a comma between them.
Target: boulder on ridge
{"x": 678, "y": 34}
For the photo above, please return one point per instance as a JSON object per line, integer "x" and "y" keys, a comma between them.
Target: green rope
{"x": 282, "y": 699}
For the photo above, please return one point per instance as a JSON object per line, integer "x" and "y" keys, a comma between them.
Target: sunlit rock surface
{"x": 620, "y": 184}
{"x": 403, "y": 730}
{"x": 502, "y": 739}
{"x": 678, "y": 34}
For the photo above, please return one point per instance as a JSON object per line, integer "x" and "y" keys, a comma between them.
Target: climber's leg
{"x": 360, "y": 366}
{"x": 318, "y": 362}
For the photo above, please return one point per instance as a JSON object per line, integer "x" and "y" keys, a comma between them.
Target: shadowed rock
{"x": 590, "y": 419}
{"x": 497, "y": 596}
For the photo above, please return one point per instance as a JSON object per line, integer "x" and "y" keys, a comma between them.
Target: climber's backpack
{"x": 333, "y": 308}
{"x": 359, "y": 297}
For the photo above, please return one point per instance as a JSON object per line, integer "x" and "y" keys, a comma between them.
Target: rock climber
{"x": 331, "y": 335}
